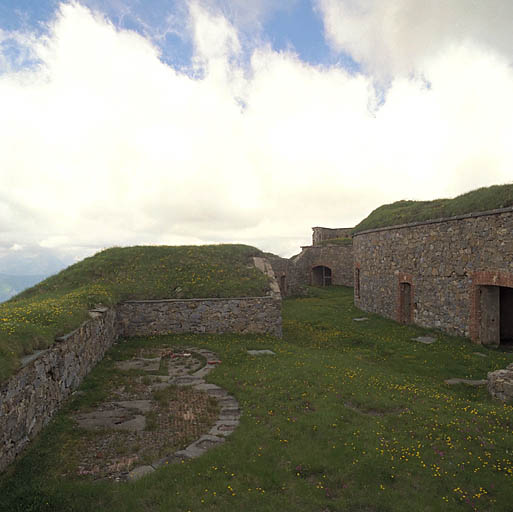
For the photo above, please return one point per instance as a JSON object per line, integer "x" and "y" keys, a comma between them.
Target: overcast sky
{"x": 206, "y": 121}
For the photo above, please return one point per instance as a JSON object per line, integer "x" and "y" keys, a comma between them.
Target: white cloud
{"x": 393, "y": 37}
{"x": 103, "y": 144}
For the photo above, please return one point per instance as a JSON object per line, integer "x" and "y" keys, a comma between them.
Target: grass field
{"x": 33, "y": 319}
{"x": 404, "y": 212}
{"x": 348, "y": 416}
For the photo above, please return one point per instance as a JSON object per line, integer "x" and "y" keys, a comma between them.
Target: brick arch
{"x": 484, "y": 278}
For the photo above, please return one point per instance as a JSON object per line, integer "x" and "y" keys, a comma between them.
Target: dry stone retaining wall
{"x": 243, "y": 315}
{"x": 29, "y": 399}
{"x": 440, "y": 263}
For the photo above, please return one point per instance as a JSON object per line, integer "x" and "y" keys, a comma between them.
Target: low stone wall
{"x": 236, "y": 315}
{"x": 29, "y": 399}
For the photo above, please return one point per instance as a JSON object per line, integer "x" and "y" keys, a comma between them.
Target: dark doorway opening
{"x": 506, "y": 316}
{"x": 321, "y": 276}
{"x": 405, "y": 303}
{"x": 283, "y": 285}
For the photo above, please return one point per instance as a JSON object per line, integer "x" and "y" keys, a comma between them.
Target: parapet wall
{"x": 440, "y": 263}
{"x": 320, "y": 235}
{"x": 30, "y": 398}
{"x": 243, "y": 315}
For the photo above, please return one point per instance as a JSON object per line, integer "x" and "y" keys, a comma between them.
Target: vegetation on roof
{"x": 32, "y": 319}
{"x": 404, "y": 212}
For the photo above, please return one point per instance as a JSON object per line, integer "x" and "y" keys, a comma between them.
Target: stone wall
{"x": 29, "y": 399}
{"x": 435, "y": 272}
{"x": 337, "y": 258}
{"x": 320, "y": 235}
{"x": 242, "y": 315}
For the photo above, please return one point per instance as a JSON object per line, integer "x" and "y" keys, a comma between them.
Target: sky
{"x": 127, "y": 122}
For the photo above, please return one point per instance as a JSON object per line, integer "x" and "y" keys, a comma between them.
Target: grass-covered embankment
{"x": 404, "y": 212}
{"x": 347, "y": 416}
{"x": 32, "y": 319}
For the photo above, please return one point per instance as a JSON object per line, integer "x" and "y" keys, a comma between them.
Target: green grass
{"x": 347, "y": 416}
{"x": 404, "y": 212}
{"x": 33, "y": 319}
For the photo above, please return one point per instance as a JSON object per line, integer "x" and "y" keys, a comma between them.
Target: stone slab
{"x": 261, "y": 352}
{"x": 427, "y": 340}
{"x": 140, "y": 363}
{"x": 139, "y": 472}
{"x": 467, "y": 382}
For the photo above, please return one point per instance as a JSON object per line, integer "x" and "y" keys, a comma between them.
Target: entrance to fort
{"x": 405, "y": 303}
{"x": 321, "y": 276}
{"x": 496, "y": 318}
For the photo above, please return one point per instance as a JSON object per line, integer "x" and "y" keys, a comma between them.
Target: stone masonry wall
{"x": 442, "y": 261}
{"x": 29, "y": 399}
{"x": 320, "y": 235}
{"x": 243, "y": 315}
{"x": 338, "y": 258}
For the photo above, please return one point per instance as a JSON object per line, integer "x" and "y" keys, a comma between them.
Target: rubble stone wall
{"x": 242, "y": 315}
{"x": 338, "y": 258}
{"x": 29, "y": 398}
{"x": 443, "y": 261}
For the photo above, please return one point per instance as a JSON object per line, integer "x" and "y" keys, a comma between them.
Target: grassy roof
{"x": 33, "y": 319}
{"x": 404, "y": 212}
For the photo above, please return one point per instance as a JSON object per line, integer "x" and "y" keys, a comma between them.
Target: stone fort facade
{"x": 455, "y": 274}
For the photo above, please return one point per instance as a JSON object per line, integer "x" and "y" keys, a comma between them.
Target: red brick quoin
{"x": 484, "y": 278}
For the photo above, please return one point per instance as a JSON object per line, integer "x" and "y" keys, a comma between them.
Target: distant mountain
{"x": 12, "y": 285}
{"x": 36, "y": 261}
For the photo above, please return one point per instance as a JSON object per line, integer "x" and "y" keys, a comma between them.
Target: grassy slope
{"x": 347, "y": 416}
{"x": 403, "y": 212}
{"x": 32, "y": 319}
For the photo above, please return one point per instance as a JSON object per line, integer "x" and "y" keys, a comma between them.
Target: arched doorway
{"x": 321, "y": 276}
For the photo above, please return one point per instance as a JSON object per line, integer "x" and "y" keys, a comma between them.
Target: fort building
{"x": 455, "y": 274}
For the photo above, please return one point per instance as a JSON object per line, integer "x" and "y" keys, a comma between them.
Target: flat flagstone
{"x": 261, "y": 352}
{"x": 117, "y": 418}
{"x": 362, "y": 319}
{"x": 140, "y": 471}
{"x": 468, "y": 382}
{"x": 427, "y": 340}
{"x": 140, "y": 363}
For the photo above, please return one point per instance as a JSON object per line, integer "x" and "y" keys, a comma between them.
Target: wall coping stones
{"x": 441, "y": 220}
{"x": 151, "y": 301}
